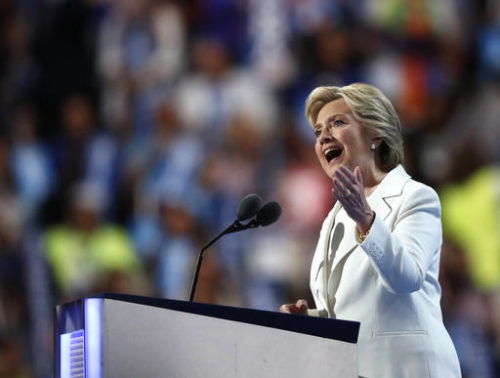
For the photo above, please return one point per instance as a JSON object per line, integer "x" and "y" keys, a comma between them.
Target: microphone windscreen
{"x": 249, "y": 206}
{"x": 269, "y": 213}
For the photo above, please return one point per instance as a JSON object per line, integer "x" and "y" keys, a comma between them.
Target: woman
{"x": 377, "y": 258}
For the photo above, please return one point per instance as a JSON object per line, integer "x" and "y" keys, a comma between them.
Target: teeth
{"x": 327, "y": 151}
{"x": 332, "y": 153}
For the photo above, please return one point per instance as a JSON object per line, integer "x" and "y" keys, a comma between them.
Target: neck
{"x": 371, "y": 179}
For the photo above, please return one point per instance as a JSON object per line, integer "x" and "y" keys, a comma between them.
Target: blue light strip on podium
{"x": 93, "y": 337}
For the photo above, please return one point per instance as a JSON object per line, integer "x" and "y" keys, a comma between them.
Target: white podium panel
{"x": 129, "y": 336}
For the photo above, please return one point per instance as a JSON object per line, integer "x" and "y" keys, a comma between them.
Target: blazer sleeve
{"x": 402, "y": 255}
{"x": 317, "y": 312}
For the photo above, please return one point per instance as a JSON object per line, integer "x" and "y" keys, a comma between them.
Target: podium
{"x": 116, "y": 335}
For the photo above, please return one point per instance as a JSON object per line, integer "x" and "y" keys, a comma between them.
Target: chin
{"x": 331, "y": 169}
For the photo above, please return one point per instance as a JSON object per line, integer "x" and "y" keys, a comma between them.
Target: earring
{"x": 372, "y": 147}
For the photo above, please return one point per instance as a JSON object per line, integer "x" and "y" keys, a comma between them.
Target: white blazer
{"x": 389, "y": 282}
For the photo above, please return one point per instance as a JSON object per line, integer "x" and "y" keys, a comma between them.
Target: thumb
{"x": 301, "y": 303}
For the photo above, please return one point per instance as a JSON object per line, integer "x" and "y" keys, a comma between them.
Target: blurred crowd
{"x": 131, "y": 129}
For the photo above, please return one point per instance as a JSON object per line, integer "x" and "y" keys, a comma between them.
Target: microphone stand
{"x": 235, "y": 227}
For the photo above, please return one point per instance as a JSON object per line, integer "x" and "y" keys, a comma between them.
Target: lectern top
{"x": 342, "y": 330}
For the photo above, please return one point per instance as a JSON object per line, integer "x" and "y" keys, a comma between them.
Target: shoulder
{"x": 419, "y": 190}
{"x": 417, "y": 196}
{"x": 111, "y": 231}
{"x": 400, "y": 190}
{"x": 399, "y": 183}
{"x": 57, "y": 233}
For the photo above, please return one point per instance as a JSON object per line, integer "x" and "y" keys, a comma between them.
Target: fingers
{"x": 346, "y": 183}
{"x": 349, "y": 191}
{"x": 338, "y": 189}
{"x": 348, "y": 173}
{"x": 301, "y": 304}
{"x": 347, "y": 178}
{"x": 358, "y": 175}
{"x": 299, "y": 307}
{"x": 285, "y": 308}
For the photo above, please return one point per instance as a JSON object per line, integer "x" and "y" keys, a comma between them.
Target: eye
{"x": 317, "y": 132}
{"x": 338, "y": 122}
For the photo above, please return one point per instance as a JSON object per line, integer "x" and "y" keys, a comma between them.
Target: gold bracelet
{"x": 363, "y": 236}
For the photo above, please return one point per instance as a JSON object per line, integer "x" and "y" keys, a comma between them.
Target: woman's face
{"x": 340, "y": 139}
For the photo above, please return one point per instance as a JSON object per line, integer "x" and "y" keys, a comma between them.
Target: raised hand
{"x": 349, "y": 190}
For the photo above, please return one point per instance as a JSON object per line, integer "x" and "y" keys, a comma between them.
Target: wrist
{"x": 364, "y": 228}
{"x": 366, "y": 224}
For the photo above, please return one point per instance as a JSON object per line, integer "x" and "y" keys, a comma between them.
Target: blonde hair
{"x": 372, "y": 109}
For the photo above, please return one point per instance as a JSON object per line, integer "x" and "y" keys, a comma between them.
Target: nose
{"x": 326, "y": 135}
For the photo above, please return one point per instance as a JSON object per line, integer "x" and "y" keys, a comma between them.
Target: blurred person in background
{"x": 471, "y": 215}
{"x": 19, "y": 70}
{"x": 33, "y": 178}
{"x": 14, "y": 337}
{"x": 82, "y": 152}
{"x": 32, "y": 168}
{"x": 87, "y": 255}
{"x": 179, "y": 221}
{"x": 160, "y": 177}
{"x": 232, "y": 113}
{"x": 226, "y": 20}
{"x": 243, "y": 161}
{"x": 467, "y": 313}
{"x": 470, "y": 218}
{"x": 140, "y": 54}
{"x": 12, "y": 360}
{"x": 12, "y": 277}
{"x": 218, "y": 90}
{"x": 377, "y": 259}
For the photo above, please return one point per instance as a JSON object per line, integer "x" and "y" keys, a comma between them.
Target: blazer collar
{"x": 391, "y": 186}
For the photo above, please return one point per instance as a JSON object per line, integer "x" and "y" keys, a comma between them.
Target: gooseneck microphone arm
{"x": 250, "y": 206}
{"x": 235, "y": 227}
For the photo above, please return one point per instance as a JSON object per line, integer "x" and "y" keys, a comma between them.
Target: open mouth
{"x": 332, "y": 153}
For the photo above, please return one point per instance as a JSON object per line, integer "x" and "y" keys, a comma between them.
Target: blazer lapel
{"x": 319, "y": 263}
{"x": 343, "y": 242}
{"x": 390, "y": 187}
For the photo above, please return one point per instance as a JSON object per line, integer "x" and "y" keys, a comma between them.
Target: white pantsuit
{"x": 389, "y": 282}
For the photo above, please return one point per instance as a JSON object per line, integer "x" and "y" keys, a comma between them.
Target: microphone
{"x": 266, "y": 215}
{"x": 250, "y": 206}
{"x": 269, "y": 214}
